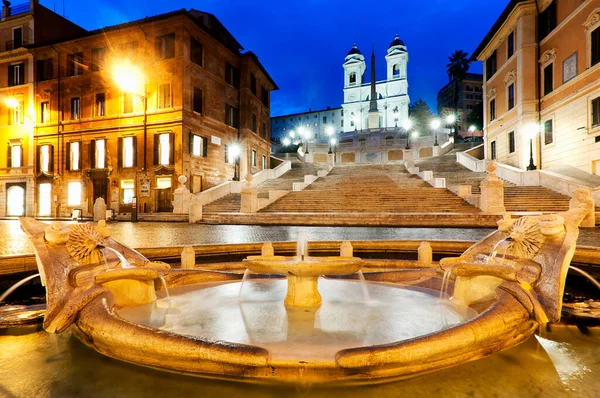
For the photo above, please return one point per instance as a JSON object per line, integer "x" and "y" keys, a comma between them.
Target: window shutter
{"x": 156, "y": 143}
{"x": 22, "y": 74}
{"x": 106, "y": 165}
{"x": 191, "y": 142}
{"x": 68, "y": 156}
{"x": 51, "y": 162}
{"x": 204, "y": 147}
{"x": 135, "y": 151}
{"x": 120, "y": 153}
{"x": 48, "y": 69}
{"x": 37, "y": 158}
{"x": 9, "y": 156}
{"x": 236, "y": 78}
{"x": 236, "y": 118}
{"x": 172, "y": 148}
{"x": 226, "y": 153}
{"x": 11, "y": 75}
{"x": 93, "y": 154}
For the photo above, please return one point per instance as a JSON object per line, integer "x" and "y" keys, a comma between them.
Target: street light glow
{"x": 472, "y": 128}
{"x": 435, "y": 124}
{"x": 286, "y": 142}
{"x": 11, "y": 102}
{"x": 531, "y": 130}
{"x": 127, "y": 76}
{"x": 329, "y": 131}
{"x": 234, "y": 150}
{"x": 292, "y": 134}
{"x": 415, "y": 134}
{"x": 451, "y": 119}
{"x": 333, "y": 141}
{"x": 407, "y": 124}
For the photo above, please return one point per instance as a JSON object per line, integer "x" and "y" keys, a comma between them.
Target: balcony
{"x": 14, "y": 44}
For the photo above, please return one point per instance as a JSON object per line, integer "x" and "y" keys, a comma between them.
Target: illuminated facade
{"x": 123, "y": 111}
{"x": 542, "y": 86}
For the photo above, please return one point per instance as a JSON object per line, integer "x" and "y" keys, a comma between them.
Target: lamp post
{"x": 407, "y": 124}
{"x": 435, "y": 125}
{"x": 472, "y": 129}
{"x": 396, "y": 116}
{"x": 451, "y": 119}
{"x": 531, "y": 130}
{"x": 332, "y": 143}
{"x": 329, "y": 133}
{"x": 234, "y": 151}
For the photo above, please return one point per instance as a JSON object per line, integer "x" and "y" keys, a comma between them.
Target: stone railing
{"x": 469, "y": 161}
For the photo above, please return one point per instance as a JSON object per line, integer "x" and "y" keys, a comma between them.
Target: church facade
{"x": 390, "y": 108}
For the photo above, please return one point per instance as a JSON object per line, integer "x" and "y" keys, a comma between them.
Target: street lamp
{"x": 415, "y": 135}
{"x": 234, "y": 152}
{"x": 286, "y": 142}
{"x": 407, "y": 124}
{"x": 329, "y": 133}
{"x": 435, "y": 125}
{"x": 396, "y": 116}
{"x": 472, "y": 129}
{"x": 451, "y": 119}
{"x": 531, "y": 131}
{"x": 332, "y": 143}
{"x": 353, "y": 118}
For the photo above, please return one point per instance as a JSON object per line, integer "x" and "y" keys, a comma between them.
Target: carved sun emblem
{"x": 83, "y": 244}
{"x": 526, "y": 238}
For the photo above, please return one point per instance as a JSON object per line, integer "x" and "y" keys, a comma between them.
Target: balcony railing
{"x": 27, "y": 38}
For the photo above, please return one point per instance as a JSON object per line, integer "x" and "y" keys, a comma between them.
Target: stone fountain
{"x": 110, "y": 296}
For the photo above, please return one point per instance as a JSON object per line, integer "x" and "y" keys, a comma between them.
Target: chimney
{"x": 5, "y": 9}
{"x": 32, "y": 4}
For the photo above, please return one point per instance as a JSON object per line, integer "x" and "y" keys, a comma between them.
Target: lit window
{"x": 16, "y": 156}
{"x": 45, "y": 158}
{"x": 44, "y": 112}
{"x": 163, "y": 182}
{"x": 253, "y": 158}
{"x": 164, "y": 96}
{"x": 128, "y": 151}
{"x": 75, "y": 108}
{"x": 45, "y": 198}
{"x": 100, "y": 153}
{"x": 74, "y": 198}
{"x": 127, "y": 103}
{"x": 127, "y": 191}
{"x": 264, "y": 162}
{"x": 75, "y": 155}
{"x": 100, "y": 104}
{"x": 164, "y": 150}
{"x": 196, "y": 145}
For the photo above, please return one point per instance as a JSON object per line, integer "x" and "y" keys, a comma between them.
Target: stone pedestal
{"x": 188, "y": 258}
{"x": 331, "y": 159}
{"x": 425, "y": 253}
{"x": 346, "y": 249}
{"x": 195, "y": 209}
{"x": 407, "y": 154}
{"x": 492, "y": 192}
{"x": 249, "y": 200}
{"x": 182, "y": 197}
{"x": 308, "y": 157}
{"x": 99, "y": 209}
{"x": 374, "y": 119}
{"x": 582, "y": 198}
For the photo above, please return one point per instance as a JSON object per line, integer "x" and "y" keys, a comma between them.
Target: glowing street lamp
{"x": 435, "y": 125}
{"x": 472, "y": 129}
{"x": 11, "y": 102}
{"x": 531, "y": 131}
{"x": 415, "y": 135}
{"x": 407, "y": 124}
{"x": 329, "y": 131}
{"x": 234, "y": 152}
{"x": 286, "y": 142}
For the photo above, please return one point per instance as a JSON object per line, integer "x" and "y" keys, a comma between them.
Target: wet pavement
{"x": 13, "y": 240}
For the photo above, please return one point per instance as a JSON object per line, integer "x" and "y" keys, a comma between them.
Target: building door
{"x": 164, "y": 194}
{"x": 45, "y": 200}
{"x": 100, "y": 189}
{"x": 15, "y": 200}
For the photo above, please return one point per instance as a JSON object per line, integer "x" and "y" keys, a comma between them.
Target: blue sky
{"x": 302, "y": 43}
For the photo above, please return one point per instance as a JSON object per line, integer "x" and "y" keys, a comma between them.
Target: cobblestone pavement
{"x": 13, "y": 240}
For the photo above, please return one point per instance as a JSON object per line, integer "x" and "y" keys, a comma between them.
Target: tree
{"x": 421, "y": 115}
{"x": 475, "y": 117}
{"x": 457, "y": 70}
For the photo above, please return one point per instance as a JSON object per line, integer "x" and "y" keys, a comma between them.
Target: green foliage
{"x": 420, "y": 114}
{"x": 458, "y": 65}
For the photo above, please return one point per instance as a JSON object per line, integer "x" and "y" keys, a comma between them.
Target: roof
{"x": 261, "y": 67}
{"x": 497, "y": 25}
{"x": 306, "y": 113}
{"x": 396, "y": 42}
{"x": 354, "y": 50}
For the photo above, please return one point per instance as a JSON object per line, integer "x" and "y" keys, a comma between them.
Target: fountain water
{"x": 16, "y": 286}
{"x": 582, "y": 272}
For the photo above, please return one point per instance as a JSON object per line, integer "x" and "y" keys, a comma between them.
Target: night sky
{"x": 302, "y": 44}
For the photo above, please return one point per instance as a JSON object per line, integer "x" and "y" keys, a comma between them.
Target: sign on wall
{"x": 570, "y": 68}
{"x": 145, "y": 188}
{"x": 215, "y": 140}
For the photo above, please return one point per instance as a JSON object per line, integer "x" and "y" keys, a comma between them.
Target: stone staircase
{"x": 231, "y": 203}
{"x": 371, "y": 188}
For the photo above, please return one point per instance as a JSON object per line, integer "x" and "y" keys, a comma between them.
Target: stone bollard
{"x": 182, "y": 197}
{"x": 188, "y": 258}
{"x": 249, "y": 197}
{"x": 492, "y": 191}
{"x": 99, "y": 209}
{"x": 582, "y": 198}
{"x": 103, "y": 229}
{"x": 267, "y": 250}
{"x": 331, "y": 159}
{"x": 425, "y": 253}
{"x": 195, "y": 209}
{"x": 346, "y": 249}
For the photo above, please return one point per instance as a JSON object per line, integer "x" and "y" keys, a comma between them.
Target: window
{"x": 164, "y": 149}
{"x": 74, "y": 156}
{"x": 263, "y": 132}
{"x": 98, "y": 153}
{"x": 197, "y": 100}
{"x": 45, "y": 199}
{"x": 231, "y": 116}
{"x": 324, "y": 119}
{"x": 44, "y": 112}
{"x": 164, "y": 96}
{"x": 595, "y": 105}
{"x": 490, "y": 66}
{"x": 100, "y": 104}
{"x": 127, "y": 191}
{"x": 75, "y": 64}
{"x": 547, "y": 21}
{"x": 595, "y": 41}
{"x": 45, "y": 154}
{"x": 511, "y": 142}
{"x": 548, "y": 73}
{"x": 198, "y": 145}
{"x": 510, "y": 44}
{"x": 165, "y": 46}
{"x": 396, "y": 70}
{"x": 254, "y": 123}
{"x": 129, "y": 151}
{"x": 17, "y": 37}
{"x": 16, "y": 112}
{"x": 253, "y": 158}
{"x": 75, "y": 108}
{"x": 196, "y": 51}
{"x": 127, "y": 102}
{"x": 98, "y": 58}
{"x": 16, "y": 74}
{"x": 511, "y": 96}
{"x": 493, "y": 150}
{"x": 352, "y": 80}
{"x": 232, "y": 75}
{"x": 548, "y": 138}
{"x": 264, "y": 162}
{"x": 253, "y": 83}
{"x": 492, "y": 109}
{"x": 15, "y": 156}
{"x": 74, "y": 198}
{"x": 43, "y": 69}
{"x": 265, "y": 97}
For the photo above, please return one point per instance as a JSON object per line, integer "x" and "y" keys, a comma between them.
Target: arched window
{"x": 353, "y": 78}
{"x": 396, "y": 70}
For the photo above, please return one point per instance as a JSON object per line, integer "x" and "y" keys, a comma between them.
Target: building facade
{"x": 123, "y": 111}
{"x": 468, "y": 93}
{"x": 542, "y": 85}
{"x": 21, "y": 26}
{"x": 392, "y": 93}
{"x": 314, "y": 122}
